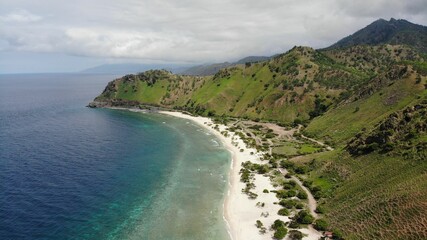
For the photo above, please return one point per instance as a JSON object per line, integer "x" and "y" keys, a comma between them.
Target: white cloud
{"x": 20, "y": 16}
{"x": 188, "y": 30}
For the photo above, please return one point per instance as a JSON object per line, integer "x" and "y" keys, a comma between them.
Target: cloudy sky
{"x": 61, "y": 36}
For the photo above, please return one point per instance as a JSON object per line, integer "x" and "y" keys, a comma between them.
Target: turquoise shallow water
{"x": 69, "y": 172}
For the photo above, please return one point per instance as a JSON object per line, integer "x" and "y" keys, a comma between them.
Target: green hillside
{"x": 296, "y": 86}
{"x": 374, "y": 183}
{"x": 368, "y": 102}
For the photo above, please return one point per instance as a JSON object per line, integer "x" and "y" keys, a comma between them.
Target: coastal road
{"x": 329, "y": 148}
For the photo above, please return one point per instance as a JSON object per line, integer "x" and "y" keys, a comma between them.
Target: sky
{"x": 66, "y": 36}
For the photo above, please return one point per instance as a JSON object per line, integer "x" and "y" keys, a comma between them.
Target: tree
{"x": 319, "y": 108}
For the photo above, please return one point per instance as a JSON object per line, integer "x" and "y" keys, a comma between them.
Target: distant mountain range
{"x": 211, "y": 69}
{"x": 198, "y": 70}
{"x": 127, "y": 68}
{"x": 205, "y": 70}
{"x": 394, "y": 32}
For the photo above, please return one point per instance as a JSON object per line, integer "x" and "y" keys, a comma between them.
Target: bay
{"x": 70, "y": 172}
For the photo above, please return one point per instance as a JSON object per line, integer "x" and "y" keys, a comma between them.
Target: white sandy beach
{"x": 240, "y": 212}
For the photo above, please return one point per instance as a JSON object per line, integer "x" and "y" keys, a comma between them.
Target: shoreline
{"x": 207, "y": 124}
{"x": 240, "y": 213}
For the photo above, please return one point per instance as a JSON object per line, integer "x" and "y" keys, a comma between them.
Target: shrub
{"x": 292, "y": 193}
{"x": 315, "y": 189}
{"x": 286, "y": 194}
{"x": 337, "y": 234}
{"x": 270, "y": 135}
{"x": 277, "y": 224}
{"x": 265, "y": 191}
{"x": 318, "y": 195}
{"x": 261, "y": 169}
{"x": 320, "y": 210}
{"x": 288, "y": 185}
{"x": 280, "y": 233}
{"x": 356, "y": 109}
{"x": 260, "y": 226}
{"x": 280, "y": 229}
{"x": 301, "y": 170}
{"x": 289, "y": 204}
{"x": 274, "y": 165}
{"x": 281, "y": 194}
{"x": 252, "y": 195}
{"x": 245, "y": 175}
{"x": 293, "y": 224}
{"x": 299, "y": 206}
{"x": 287, "y": 164}
{"x": 283, "y": 212}
{"x": 295, "y": 235}
{"x": 321, "y": 225}
{"x": 302, "y": 195}
{"x": 307, "y": 184}
{"x": 297, "y": 122}
{"x": 304, "y": 217}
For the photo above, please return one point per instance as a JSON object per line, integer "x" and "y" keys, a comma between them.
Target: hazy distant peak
{"x": 394, "y": 31}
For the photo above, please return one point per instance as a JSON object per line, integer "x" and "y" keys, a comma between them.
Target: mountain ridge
{"x": 395, "y": 32}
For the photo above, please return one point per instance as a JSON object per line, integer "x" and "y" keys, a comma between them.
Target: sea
{"x": 71, "y": 172}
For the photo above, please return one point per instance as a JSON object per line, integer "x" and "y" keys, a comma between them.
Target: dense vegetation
{"x": 368, "y": 102}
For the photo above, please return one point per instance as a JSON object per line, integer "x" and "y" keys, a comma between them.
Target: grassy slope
{"x": 344, "y": 121}
{"x": 282, "y": 89}
{"x": 368, "y": 196}
{"x": 147, "y": 94}
{"x": 372, "y": 196}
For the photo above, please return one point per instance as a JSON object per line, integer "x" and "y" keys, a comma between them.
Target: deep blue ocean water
{"x": 70, "y": 172}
